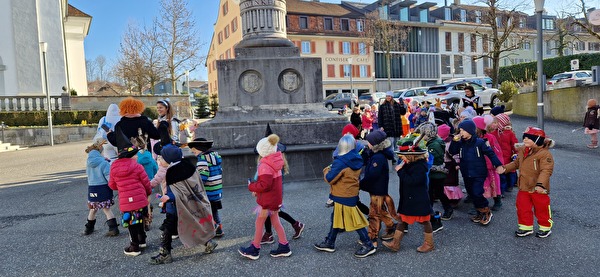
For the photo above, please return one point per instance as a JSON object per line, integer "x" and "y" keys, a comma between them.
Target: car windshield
{"x": 365, "y": 97}
{"x": 434, "y": 90}
{"x": 560, "y": 76}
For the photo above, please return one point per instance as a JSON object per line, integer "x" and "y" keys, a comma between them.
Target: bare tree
{"x": 585, "y": 23}
{"x": 179, "y": 39}
{"x": 90, "y": 68}
{"x": 386, "y": 36}
{"x": 130, "y": 65}
{"x": 101, "y": 64}
{"x": 153, "y": 56}
{"x": 503, "y": 18}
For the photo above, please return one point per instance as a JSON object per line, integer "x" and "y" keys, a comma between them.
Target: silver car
{"x": 453, "y": 92}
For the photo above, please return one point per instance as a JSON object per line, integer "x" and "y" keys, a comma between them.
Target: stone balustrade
{"x": 33, "y": 103}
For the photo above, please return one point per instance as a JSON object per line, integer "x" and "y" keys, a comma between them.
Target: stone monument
{"x": 269, "y": 83}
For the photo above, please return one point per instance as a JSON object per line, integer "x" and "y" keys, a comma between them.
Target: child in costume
{"x": 535, "y": 164}
{"x": 211, "y": 172}
{"x": 492, "y": 181}
{"x": 414, "y": 205}
{"x": 130, "y": 179}
{"x": 452, "y": 189}
{"x": 188, "y": 207}
{"x": 507, "y": 140}
{"x": 100, "y": 196}
{"x": 343, "y": 177}
{"x": 367, "y": 121}
{"x": 268, "y": 189}
{"x": 591, "y": 122}
{"x": 144, "y": 157}
{"x": 473, "y": 151}
{"x": 375, "y": 182}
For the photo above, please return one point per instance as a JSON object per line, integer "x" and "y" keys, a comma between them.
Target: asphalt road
{"x": 43, "y": 200}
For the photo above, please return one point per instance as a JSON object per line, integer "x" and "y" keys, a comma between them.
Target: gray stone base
{"x": 306, "y": 162}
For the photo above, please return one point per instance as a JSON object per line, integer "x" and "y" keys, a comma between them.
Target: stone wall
{"x": 567, "y": 104}
{"x": 38, "y": 136}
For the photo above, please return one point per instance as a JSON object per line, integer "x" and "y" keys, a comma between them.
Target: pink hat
{"x": 443, "y": 131}
{"x": 503, "y": 120}
{"x": 479, "y": 122}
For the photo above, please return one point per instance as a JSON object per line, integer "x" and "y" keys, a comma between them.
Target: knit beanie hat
{"x": 503, "y": 121}
{"x": 479, "y": 122}
{"x": 488, "y": 119}
{"x": 469, "y": 126}
{"x": 469, "y": 112}
{"x": 389, "y": 93}
{"x": 497, "y": 110}
{"x": 171, "y": 153}
{"x": 349, "y": 128}
{"x": 443, "y": 131}
{"x": 376, "y": 137}
{"x": 267, "y": 146}
{"x": 346, "y": 144}
{"x": 428, "y": 130}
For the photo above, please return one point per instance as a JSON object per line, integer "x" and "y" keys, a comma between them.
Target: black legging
{"x": 283, "y": 215}
{"x": 436, "y": 191}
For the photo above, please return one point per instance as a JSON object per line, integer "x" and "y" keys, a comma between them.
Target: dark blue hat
{"x": 171, "y": 153}
{"x": 497, "y": 110}
{"x": 469, "y": 126}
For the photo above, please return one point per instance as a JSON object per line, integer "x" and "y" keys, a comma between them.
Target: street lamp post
{"x": 351, "y": 86}
{"x": 44, "y": 47}
{"x": 539, "y": 9}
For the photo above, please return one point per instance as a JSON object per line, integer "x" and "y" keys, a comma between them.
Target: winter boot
{"x": 283, "y": 250}
{"x": 497, "y": 203}
{"x": 298, "y": 229}
{"x": 427, "y": 243}
{"x": 389, "y": 233}
{"x": 477, "y": 217}
{"x": 436, "y": 222}
{"x": 219, "y": 230}
{"x": 113, "y": 230}
{"x": 267, "y": 238}
{"x": 394, "y": 245}
{"x": 327, "y": 245}
{"x": 250, "y": 252}
{"x": 210, "y": 246}
{"x": 89, "y": 227}
{"x": 163, "y": 257}
{"x": 486, "y": 216}
{"x": 365, "y": 250}
{"x": 593, "y": 145}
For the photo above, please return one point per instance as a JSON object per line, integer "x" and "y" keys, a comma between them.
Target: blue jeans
{"x": 474, "y": 186}
{"x": 508, "y": 180}
{"x": 363, "y": 234}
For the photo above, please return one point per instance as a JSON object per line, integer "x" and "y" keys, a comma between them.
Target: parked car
{"x": 410, "y": 94}
{"x": 482, "y": 81}
{"x": 370, "y": 98}
{"x": 339, "y": 100}
{"x": 585, "y": 76}
{"x": 453, "y": 92}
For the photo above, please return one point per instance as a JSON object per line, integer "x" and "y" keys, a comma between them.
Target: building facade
{"x": 23, "y": 25}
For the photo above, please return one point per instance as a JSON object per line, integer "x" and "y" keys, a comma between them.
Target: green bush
{"x": 508, "y": 89}
{"x": 40, "y": 118}
{"x": 525, "y": 72}
{"x": 202, "y": 110}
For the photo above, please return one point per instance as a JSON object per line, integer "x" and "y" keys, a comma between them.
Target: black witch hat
{"x": 124, "y": 145}
{"x": 280, "y": 147}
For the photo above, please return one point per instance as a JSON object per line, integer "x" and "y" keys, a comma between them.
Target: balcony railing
{"x": 33, "y": 103}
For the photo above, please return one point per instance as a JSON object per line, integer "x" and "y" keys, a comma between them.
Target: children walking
{"x": 187, "y": 206}
{"x": 130, "y": 179}
{"x": 211, "y": 172}
{"x": 413, "y": 205}
{"x": 268, "y": 190}
{"x": 375, "y": 182}
{"x": 591, "y": 122}
{"x": 535, "y": 164}
{"x": 144, "y": 157}
{"x": 342, "y": 176}
{"x": 473, "y": 167}
{"x": 100, "y": 196}
{"x": 492, "y": 181}
{"x": 507, "y": 140}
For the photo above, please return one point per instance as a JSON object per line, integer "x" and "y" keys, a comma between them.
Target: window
{"x": 362, "y": 48}
{"x": 458, "y": 64}
{"x": 579, "y": 45}
{"x": 363, "y": 71}
{"x": 225, "y": 8}
{"x": 303, "y": 22}
{"x": 328, "y": 23}
{"x": 461, "y": 42}
{"x": 548, "y": 47}
{"x": 221, "y": 57}
{"x": 347, "y": 70}
{"x": 424, "y": 15}
{"x": 474, "y": 65}
{"x": 330, "y": 70}
{"x": 477, "y": 16}
{"x": 234, "y": 25}
{"x": 446, "y": 64}
{"x": 463, "y": 16}
{"x": 473, "y": 43}
{"x": 220, "y": 37}
{"x": 522, "y": 23}
{"x": 345, "y": 24}
{"x": 447, "y": 14}
{"x": 593, "y": 46}
{"x": 526, "y": 45}
{"x": 485, "y": 42}
{"x": 306, "y": 47}
{"x": 486, "y": 63}
{"x": 228, "y": 54}
{"x": 346, "y": 48}
{"x": 226, "y": 31}
{"x": 404, "y": 14}
{"x": 329, "y": 47}
{"x": 360, "y": 25}
{"x": 548, "y": 24}
{"x": 448, "y": 37}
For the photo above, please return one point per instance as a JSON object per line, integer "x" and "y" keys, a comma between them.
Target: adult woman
{"x": 165, "y": 114}
{"x": 132, "y": 121}
{"x": 470, "y": 99}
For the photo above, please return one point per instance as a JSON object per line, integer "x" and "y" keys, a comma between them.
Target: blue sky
{"x": 110, "y": 19}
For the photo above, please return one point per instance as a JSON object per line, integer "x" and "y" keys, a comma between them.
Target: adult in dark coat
{"x": 389, "y": 117}
{"x": 132, "y": 121}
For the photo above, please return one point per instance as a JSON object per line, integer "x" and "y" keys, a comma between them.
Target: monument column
{"x": 263, "y": 24}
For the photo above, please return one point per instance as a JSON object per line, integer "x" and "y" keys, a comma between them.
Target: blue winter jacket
{"x": 377, "y": 176}
{"x": 97, "y": 169}
{"x": 472, "y": 160}
{"x": 149, "y": 164}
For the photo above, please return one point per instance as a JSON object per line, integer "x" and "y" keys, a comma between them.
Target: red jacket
{"x": 130, "y": 179}
{"x": 507, "y": 140}
{"x": 268, "y": 186}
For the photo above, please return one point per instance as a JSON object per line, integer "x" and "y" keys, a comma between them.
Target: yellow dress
{"x": 348, "y": 218}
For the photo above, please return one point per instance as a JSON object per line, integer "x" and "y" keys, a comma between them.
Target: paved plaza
{"x": 43, "y": 200}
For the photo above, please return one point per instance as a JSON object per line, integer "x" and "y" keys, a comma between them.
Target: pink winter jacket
{"x": 130, "y": 179}
{"x": 268, "y": 186}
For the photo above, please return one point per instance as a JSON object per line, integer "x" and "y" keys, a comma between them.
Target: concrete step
{"x": 5, "y": 147}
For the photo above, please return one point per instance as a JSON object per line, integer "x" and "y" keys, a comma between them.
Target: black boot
{"x": 113, "y": 230}
{"x": 163, "y": 257}
{"x": 436, "y": 222}
{"x": 497, "y": 203}
{"x": 89, "y": 227}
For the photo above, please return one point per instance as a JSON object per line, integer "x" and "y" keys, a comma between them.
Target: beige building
{"x": 328, "y": 31}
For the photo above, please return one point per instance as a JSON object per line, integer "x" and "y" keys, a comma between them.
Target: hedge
{"x": 524, "y": 72}
{"x": 40, "y": 118}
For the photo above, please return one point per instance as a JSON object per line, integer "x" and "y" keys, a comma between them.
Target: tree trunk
{"x": 388, "y": 62}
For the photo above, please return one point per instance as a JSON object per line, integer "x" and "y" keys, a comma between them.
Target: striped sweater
{"x": 211, "y": 172}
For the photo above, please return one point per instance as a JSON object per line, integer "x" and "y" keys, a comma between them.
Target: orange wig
{"x": 131, "y": 105}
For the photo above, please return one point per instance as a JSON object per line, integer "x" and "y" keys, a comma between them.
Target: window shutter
{"x": 356, "y": 70}
{"x": 368, "y": 71}
{"x": 342, "y": 70}
{"x": 313, "y": 47}
{"x": 341, "y": 47}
